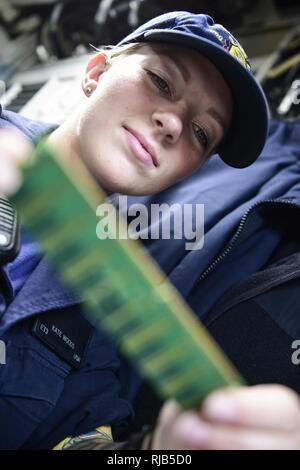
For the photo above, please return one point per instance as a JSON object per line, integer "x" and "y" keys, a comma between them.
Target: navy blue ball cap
{"x": 248, "y": 130}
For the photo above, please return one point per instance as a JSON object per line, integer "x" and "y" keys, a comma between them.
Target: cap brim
{"x": 247, "y": 134}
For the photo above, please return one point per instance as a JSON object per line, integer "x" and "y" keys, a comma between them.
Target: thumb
{"x": 14, "y": 149}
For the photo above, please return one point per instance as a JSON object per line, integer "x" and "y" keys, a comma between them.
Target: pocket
{"x": 31, "y": 383}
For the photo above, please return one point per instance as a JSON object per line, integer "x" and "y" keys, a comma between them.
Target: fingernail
{"x": 222, "y": 408}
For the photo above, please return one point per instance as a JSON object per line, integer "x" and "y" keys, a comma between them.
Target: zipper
{"x": 237, "y": 235}
{"x": 223, "y": 306}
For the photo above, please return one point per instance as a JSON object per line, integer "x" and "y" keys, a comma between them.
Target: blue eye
{"x": 163, "y": 86}
{"x": 160, "y": 83}
{"x": 201, "y": 135}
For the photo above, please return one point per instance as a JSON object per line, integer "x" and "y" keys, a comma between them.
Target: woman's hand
{"x": 14, "y": 149}
{"x": 257, "y": 417}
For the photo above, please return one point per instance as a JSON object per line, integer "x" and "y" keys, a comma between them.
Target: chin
{"x": 112, "y": 184}
{"x": 127, "y": 188}
{"x": 119, "y": 176}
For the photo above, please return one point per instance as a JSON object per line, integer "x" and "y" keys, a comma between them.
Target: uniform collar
{"x": 42, "y": 292}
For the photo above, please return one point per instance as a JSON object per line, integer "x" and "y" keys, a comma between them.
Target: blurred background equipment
{"x": 281, "y": 77}
{"x": 44, "y": 41}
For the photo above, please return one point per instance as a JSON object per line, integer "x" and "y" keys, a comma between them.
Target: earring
{"x": 89, "y": 90}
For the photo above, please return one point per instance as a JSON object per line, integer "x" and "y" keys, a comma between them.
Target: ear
{"x": 95, "y": 67}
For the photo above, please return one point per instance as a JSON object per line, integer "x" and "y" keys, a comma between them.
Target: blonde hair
{"x": 115, "y": 51}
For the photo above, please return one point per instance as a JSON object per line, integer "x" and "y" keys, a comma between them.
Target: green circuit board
{"x": 122, "y": 289}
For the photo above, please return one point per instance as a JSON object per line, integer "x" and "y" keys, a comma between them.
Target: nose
{"x": 169, "y": 124}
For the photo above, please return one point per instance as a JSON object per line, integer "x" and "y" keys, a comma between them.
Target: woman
{"x": 150, "y": 90}
{"x": 171, "y": 94}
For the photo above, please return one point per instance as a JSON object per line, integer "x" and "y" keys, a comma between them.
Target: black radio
{"x": 9, "y": 232}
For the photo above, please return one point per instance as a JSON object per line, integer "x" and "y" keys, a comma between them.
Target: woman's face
{"x": 153, "y": 118}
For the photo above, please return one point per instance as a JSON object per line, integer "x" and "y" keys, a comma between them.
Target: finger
{"x": 189, "y": 432}
{"x": 220, "y": 437}
{"x": 263, "y": 406}
{"x": 165, "y": 422}
{"x": 169, "y": 412}
{"x": 14, "y": 145}
{"x": 14, "y": 150}
{"x": 180, "y": 432}
{"x": 10, "y": 178}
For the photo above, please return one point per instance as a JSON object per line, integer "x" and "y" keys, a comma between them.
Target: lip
{"x": 141, "y": 148}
